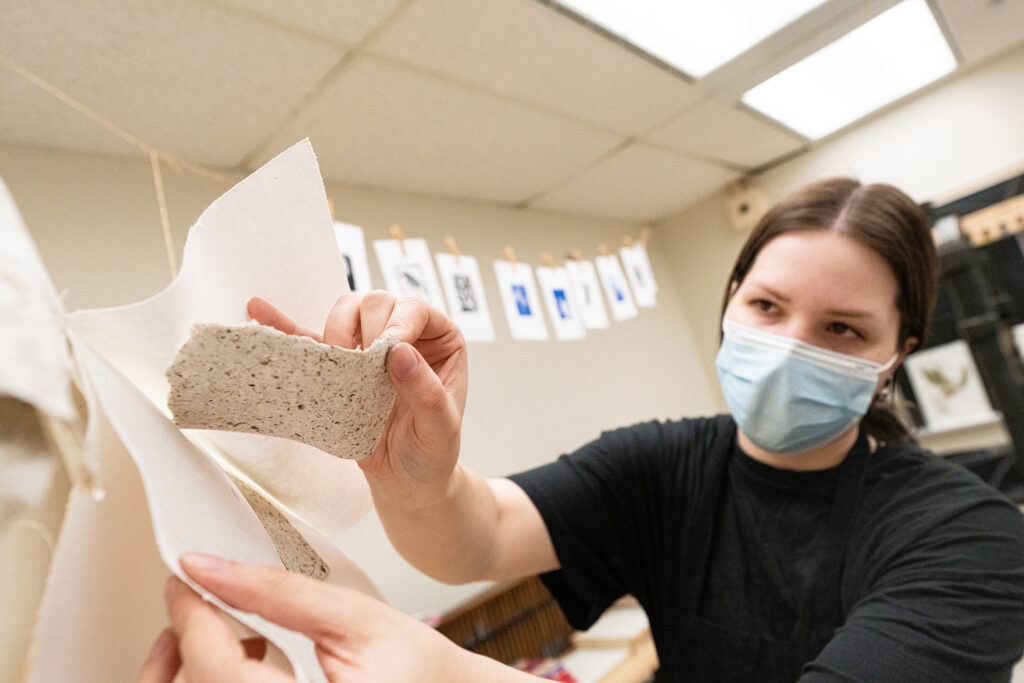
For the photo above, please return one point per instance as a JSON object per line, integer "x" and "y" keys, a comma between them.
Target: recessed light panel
{"x": 894, "y": 54}
{"x": 695, "y": 36}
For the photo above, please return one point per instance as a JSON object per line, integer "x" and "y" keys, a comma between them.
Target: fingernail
{"x": 201, "y": 562}
{"x": 403, "y": 362}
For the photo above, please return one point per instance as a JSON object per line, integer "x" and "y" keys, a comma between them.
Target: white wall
{"x": 96, "y": 224}
{"x": 959, "y": 133}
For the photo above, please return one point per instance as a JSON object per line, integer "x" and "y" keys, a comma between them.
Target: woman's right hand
{"x": 413, "y": 462}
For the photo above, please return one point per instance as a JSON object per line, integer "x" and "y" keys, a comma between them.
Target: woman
{"x": 802, "y": 536}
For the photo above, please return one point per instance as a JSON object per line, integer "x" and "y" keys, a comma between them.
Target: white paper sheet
{"x": 615, "y": 288}
{"x": 563, "y": 309}
{"x": 352, "y": 245}
{"x": 948, "y": 387}
{"x": 467, "y": 302}
{"x": 583, "y": 278}
{"x": 520, "y": 300}
{"x": 270, "y": 236}
{"x": 640, "y": 274}
{"x": 34, "y": 363}
{"x": 408, "y": 270}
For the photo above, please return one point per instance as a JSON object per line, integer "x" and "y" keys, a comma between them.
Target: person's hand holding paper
{"x": 415, "y": 458}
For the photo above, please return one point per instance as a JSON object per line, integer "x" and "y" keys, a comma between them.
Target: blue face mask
{"x": 788, "y": 396}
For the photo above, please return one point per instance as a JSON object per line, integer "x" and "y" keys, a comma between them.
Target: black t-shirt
{"x": 748, "y": 572}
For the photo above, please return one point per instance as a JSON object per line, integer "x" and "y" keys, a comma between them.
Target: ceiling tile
{"x": 718, "y": 130}
{"x": 640, "y": 183}
{"x": 190, "y": 79}
{"x": 527, "y": 50}
{"x": 984, "y": 28}
{"x": 386, "y": 126}
{"x": 347, "y": 21}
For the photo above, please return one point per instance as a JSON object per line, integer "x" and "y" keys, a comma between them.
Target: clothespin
{"x": 627, "y": 241}
{"x": 603, "y": 250}
{"x": 510, "y": 254}
{"x": 645, "y": 234}
{"x": 397, "y": 234}
{"x": 547, "y": 259}
{"x": 576, "y": 255}
{"x": 330, "y": 207}
{"x": 453, "y": 248}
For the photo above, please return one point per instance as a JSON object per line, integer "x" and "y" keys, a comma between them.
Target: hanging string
{"x": 165, "y": 221}
{"x": 155, "y": 155}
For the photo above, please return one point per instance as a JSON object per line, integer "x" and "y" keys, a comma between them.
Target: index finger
{"x": 209, "y": 650}
{"x": 266, "y": 314}
{"x": 415, "y": 321}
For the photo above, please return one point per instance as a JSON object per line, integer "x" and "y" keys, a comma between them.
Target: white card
{"x": 519, "y": 296}
{"x": 615, "y": 288}
{"x": 352, "y": 245}
{"x": 583, "y": 279}
{"x": 640, "y": 275}
{"x": 948, "y": 387}
{"x": 561, "y": 303}
{"x": 464, "y": 289}
{"x": 408, "y": 270}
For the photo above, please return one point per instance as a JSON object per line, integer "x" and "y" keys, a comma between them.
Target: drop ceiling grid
{"x": 528, "y": 51}
{"x": 983, "y": 28}
{"x": 346, "y": 22}
{"x": 640, "y": 183}
{"x": 390, "y": 127}
{"x": 717, "y": 129}
{"x": 189, "y": 79}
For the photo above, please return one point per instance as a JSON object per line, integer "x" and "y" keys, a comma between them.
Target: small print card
{"x": 948, "y": 387}
{"x": 583, "y": 279}
{"x": 640, "y": 275}
{"x": 519, "y": 296}
{"x": 615, "y": 288}
{"x": 464, "y": 289}
{"x": 561, "y": 303}
{"x": 408, "y": 270}
{"x": 352, "y": 245}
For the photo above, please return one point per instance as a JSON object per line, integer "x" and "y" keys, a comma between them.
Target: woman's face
{"x": 824, "y": 289}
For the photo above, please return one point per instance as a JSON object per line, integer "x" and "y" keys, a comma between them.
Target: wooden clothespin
{"x": 547, "y": 259}
{"x": 397, "y": 234}
{"x": 645, "y": 234}
{"x": 576, "y": 255}
{"x": 603, "y": 250}
{"x": 453, "y": 248}
{"x": 510, "y": 254}
{"x": 627, "y": 241}
{"x": 330, "y": 207}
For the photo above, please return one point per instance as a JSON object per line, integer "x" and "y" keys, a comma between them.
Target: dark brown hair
{"x": 886, "y": 221}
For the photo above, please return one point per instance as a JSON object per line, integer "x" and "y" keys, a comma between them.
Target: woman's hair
{"x": 886, "y": 221}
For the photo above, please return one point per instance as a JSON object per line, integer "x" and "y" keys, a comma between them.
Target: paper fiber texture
{"x": 255, "y": 379}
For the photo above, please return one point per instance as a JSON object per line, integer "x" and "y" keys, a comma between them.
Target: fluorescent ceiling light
{"x": 894, "y": 54}
{"x": 695, "y": 36}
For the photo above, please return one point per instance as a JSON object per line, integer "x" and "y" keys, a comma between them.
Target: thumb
{"x": 419, "y": 387}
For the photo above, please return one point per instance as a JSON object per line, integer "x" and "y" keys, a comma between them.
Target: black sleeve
{"x": 949, "y": 607}
{"x": 604, "y": 508}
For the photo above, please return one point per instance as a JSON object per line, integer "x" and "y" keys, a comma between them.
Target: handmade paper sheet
{"x": 467, "y": 302}
{"x": 583, "y": 278}
{"x": 352, "y": 245}
{"x": 408, "y": 270}
{"x": 640, "y": 274}
{"x": 615, "y": 288}
{"x": 270, "y": 236}
{"x": 521, "y": 301}
{"x": 560, "y": 300}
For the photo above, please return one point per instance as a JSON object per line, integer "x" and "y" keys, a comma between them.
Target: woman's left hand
{"x": 357, "y": 638}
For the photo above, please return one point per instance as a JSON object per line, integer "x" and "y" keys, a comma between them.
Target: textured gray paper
{"x": 258, "y": 380}
{"x": 296, "y": 555}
